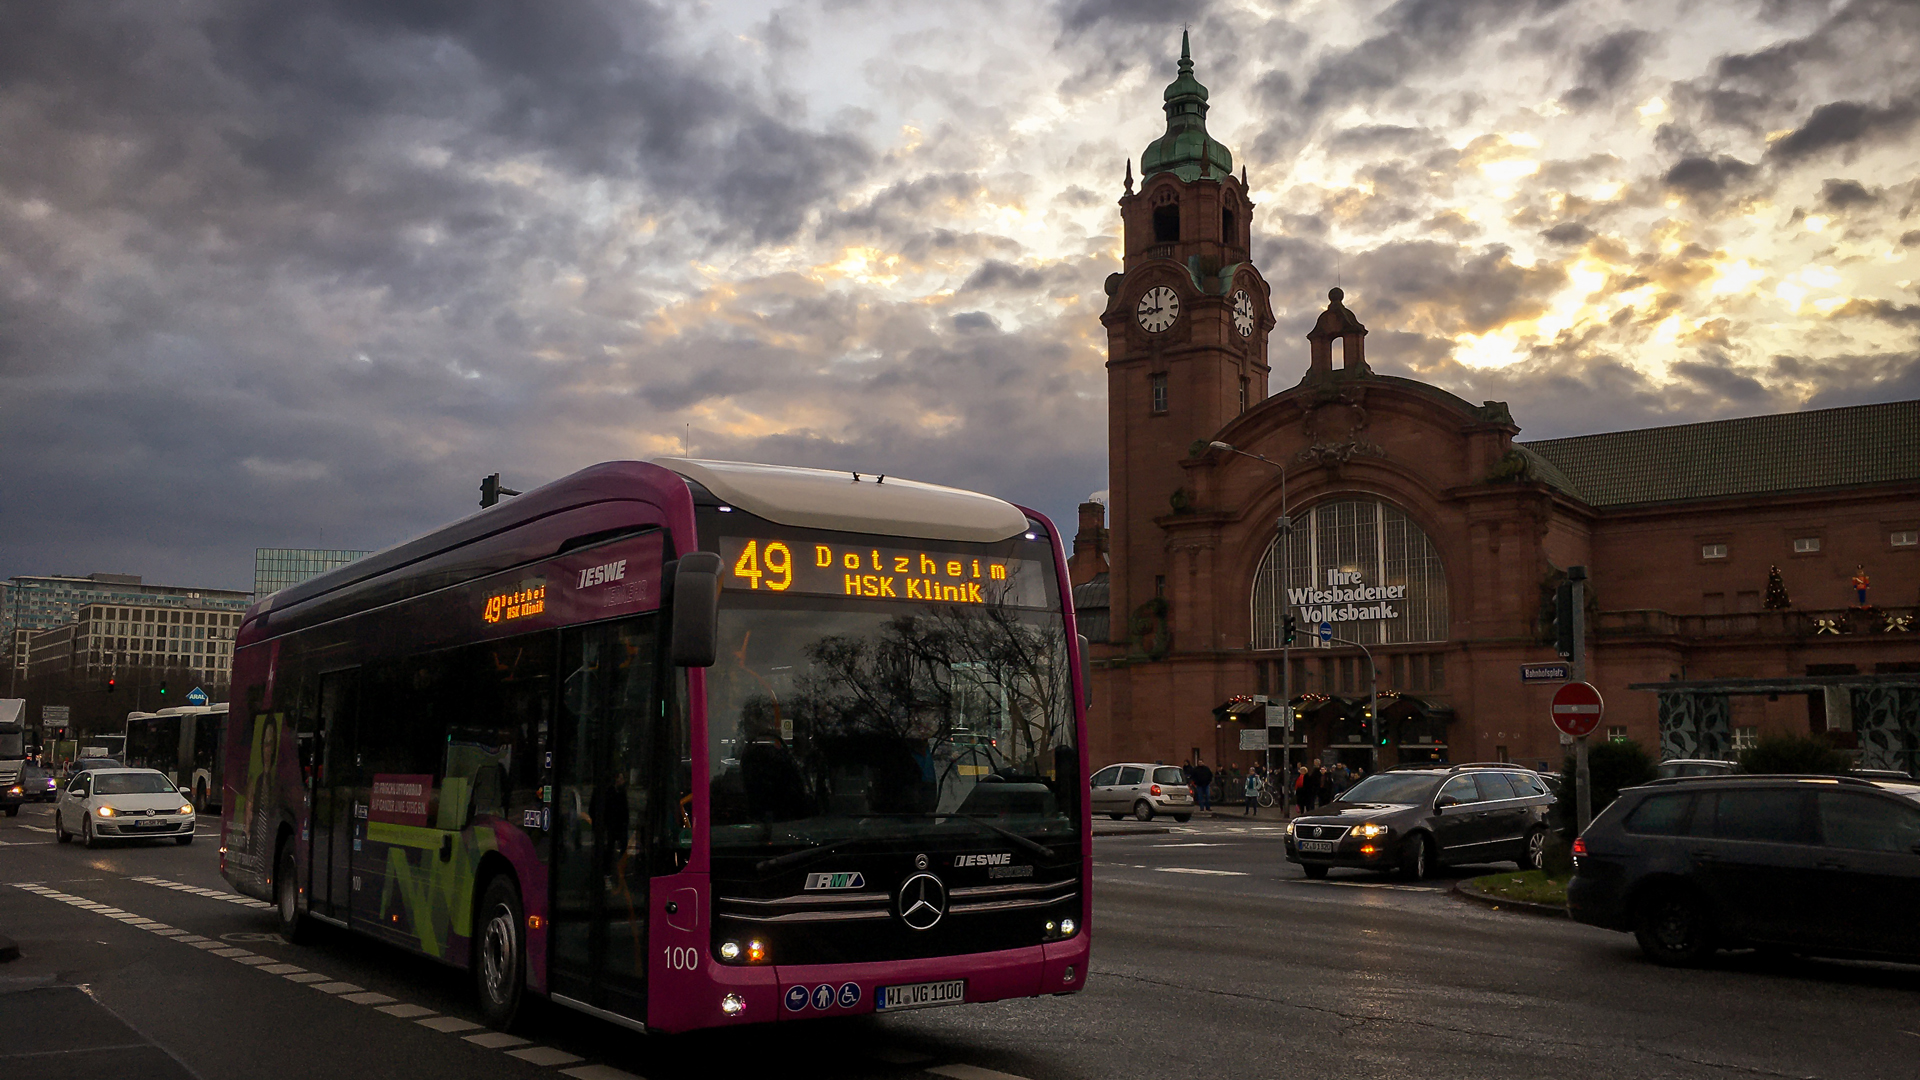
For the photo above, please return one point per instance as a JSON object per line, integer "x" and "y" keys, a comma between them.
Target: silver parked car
{"x": 1143, "y": 790}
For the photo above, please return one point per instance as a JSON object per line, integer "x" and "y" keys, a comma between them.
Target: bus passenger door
{"x": 602, "y": 802}
{"x": 333, "y": 790}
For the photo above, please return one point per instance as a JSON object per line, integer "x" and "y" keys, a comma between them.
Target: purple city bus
{"x": 682, "y": 744}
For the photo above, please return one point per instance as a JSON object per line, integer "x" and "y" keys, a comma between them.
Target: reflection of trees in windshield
{"x": 855, "y": 713}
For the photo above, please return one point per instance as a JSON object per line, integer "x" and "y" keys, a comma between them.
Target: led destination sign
{"x": 758, "y": 564}
{"x": 521, "y": 603}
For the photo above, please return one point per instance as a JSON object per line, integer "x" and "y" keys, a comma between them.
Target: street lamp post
{"x": 1373, "y": 705}
{"x": 1285, "y": 529}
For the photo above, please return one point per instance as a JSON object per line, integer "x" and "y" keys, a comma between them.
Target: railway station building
{"x": 1744, "y": 576}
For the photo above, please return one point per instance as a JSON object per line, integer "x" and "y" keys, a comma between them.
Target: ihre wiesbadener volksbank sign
{"x": 1346, "y": 599}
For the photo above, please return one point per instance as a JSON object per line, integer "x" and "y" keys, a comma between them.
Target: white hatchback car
{"x": 122, "y": 804}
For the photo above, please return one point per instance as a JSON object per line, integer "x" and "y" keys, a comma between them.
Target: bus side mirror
{"x": 1086, "y": 675}
{"x": 696, "y": 610}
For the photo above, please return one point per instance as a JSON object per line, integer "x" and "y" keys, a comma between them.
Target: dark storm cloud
{"x": 1416, "y": 36}
{"x": 1567, "y": 232}
{"x": 1081, "y": 15}
{"x": 1607, "y": 65}
{"x": 1845, "y": 124}
{"x": 1842, "y": 194}
{"x": 1705, "y": 175}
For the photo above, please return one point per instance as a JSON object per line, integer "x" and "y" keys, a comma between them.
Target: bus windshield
{"x": 835, "y": 721}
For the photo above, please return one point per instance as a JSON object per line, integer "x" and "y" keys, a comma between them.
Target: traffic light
{"x": 1563, "y": 619}
{"x": 112, "y": 684}
{"x": 490, "y": 490}
{"x": 1288, "y": 628}
{"x": 163, "y": 688}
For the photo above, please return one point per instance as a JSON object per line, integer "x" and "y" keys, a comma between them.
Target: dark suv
{"x": 1416, "y": 818}
{"x": 1825, "y": 865}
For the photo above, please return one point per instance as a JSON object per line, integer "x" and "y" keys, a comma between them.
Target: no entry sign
{"x": 1577, "y": 708}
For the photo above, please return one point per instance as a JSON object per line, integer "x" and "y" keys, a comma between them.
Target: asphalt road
{"x": 1212, "y": 959}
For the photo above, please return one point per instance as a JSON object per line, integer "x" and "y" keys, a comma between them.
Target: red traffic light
{"x": 112, "y": 683}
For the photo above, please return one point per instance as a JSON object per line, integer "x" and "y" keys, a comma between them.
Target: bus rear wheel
{"x": 295, "y": 928}
{"x": 499, "y": 954}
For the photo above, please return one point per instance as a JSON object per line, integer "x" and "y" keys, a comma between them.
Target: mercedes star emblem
{"x": 923, "y": 900}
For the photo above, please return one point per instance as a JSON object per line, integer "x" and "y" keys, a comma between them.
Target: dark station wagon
{"x": 1416, "y": 818}
{"x": 1820, "y": 865}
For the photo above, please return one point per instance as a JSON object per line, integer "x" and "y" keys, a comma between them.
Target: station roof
{"x": 1854, "y": 446}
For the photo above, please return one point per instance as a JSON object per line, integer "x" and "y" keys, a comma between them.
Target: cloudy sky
{"x": 298, "y": 275}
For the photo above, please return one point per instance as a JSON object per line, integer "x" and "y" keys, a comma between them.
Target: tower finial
{"x": 1129, "y": 176}
{"x": 1186, "y": 54}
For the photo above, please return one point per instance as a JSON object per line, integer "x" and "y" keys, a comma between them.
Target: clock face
{"x": 1159, "y": 306}
{"x": 1243, "y": 313}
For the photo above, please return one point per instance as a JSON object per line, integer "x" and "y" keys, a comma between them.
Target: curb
{"x": 9, "y": 950}
{"x": 1531, "y": 907}
{"x": 1131, "y": 832}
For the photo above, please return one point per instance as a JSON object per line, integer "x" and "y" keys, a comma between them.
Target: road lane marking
{"x": 36, "y": 828}
{"x": 598, "y": 1072}
{"x": 544, "y": 1056}
{"x": 970, "y": 1072}
{"x": 1195, "y": 870}
{"x": 497, "y": 1040}
{"x": 514, "y": 1045}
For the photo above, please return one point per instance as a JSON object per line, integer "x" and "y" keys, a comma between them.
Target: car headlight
{"x": 14, "y": 790}
{"x": 1370, "y": 830}
{"x": 103, "y": 811}
{"x": 186, "y": 808}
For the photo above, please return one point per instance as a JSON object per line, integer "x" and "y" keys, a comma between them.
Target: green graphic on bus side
{"x": 435, "y": 896}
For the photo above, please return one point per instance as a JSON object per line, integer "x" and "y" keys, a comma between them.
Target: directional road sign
{"x": 1326, "y": 633}
{"x": 1577, "y": 708}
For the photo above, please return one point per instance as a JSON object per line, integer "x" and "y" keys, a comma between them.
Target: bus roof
{"x": 853, "y": 502}
{"x": 602, "y": 501}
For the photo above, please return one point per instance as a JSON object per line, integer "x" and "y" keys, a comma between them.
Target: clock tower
{"x": 1187, "y": 322}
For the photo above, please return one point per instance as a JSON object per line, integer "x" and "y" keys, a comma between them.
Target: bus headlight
{"x": 733, "y": 1005}
{"x": 756, "y": 953}
{"x": 730, "y": 951}
{"x": 1067, "y": 927}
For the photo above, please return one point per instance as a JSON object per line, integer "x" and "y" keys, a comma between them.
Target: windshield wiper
{"x": 802, "y": 857}
{"x": 1034, "y": 848}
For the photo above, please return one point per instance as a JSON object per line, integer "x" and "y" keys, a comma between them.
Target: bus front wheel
{"x": 499, "y": 953}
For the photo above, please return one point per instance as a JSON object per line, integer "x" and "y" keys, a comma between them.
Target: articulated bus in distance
{"x": 681, "y": 745}
{"x": 184, "y": 743}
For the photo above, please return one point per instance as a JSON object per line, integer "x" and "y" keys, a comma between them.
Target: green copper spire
{"x": 1186, "y": 150}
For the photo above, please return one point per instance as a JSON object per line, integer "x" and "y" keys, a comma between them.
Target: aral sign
{"x": 1346, "y": 599}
